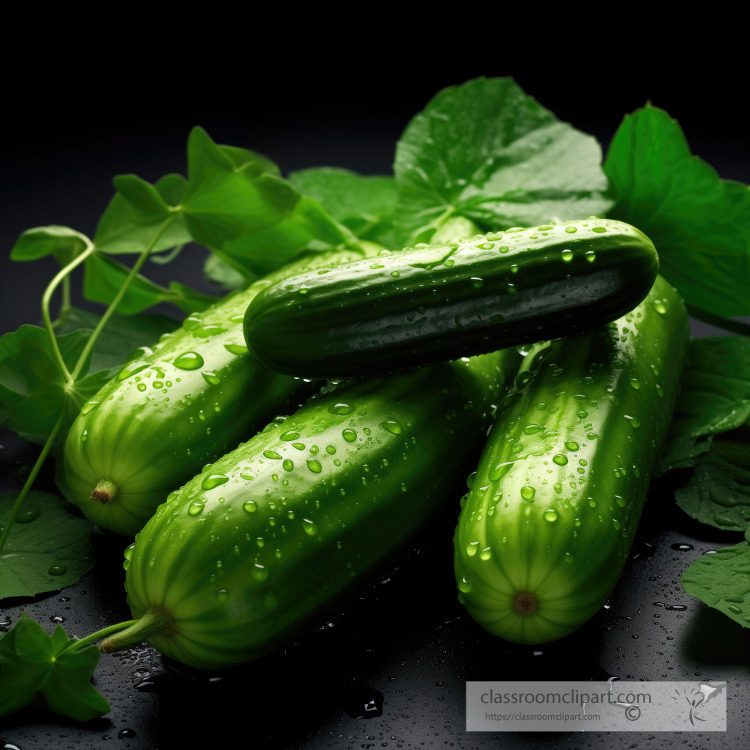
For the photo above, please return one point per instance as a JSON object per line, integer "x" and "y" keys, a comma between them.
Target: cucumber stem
{"x": 525, "y": 603}
{"x": 104, "y": 492}
{"x": 155, "y": 621}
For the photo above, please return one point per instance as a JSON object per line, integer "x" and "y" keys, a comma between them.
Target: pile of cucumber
{"x": 401, "y": 363}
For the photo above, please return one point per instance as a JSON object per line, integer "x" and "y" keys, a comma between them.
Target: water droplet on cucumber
{"x": 189, "y": 361}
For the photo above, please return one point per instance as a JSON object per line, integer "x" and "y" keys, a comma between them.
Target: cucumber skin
{"x": 438, "y": 303}
{"x": 150, "y": 441}
{"x": 588, "y": 386}
{"x": 231, "y": 600}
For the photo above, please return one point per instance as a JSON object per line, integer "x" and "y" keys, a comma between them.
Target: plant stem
{"x": 142, "y": 258}
{"x": 728, "y": 324}
{"x": 30, "y": 480}
{"x": 83, "y": 642}
{"x": 62, "y": 275}
{"x": 153, "y": 622}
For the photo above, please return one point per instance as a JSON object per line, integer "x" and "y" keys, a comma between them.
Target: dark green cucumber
{"x": 552, "y": 511}
{"x": 442, "y": 302}
{"x": 171, "y": 410}
{"x": 252, "y": 551}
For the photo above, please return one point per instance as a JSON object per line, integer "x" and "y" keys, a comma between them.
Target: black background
{"x": 89, "y": 112}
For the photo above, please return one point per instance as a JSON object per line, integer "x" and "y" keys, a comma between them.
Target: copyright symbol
{"x": 632, "y": 713}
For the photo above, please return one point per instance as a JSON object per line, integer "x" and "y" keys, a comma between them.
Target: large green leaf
{"x": 47, "y": 549}
{"x": 487, "y": 151}
{"x": 699, "y": 223}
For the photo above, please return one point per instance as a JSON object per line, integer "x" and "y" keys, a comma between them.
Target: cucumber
{"x": 552, "y": 511}
{"x": 252, "y": 551}
{"x": 441, "y": 302}
{"x": 171, "y": 410}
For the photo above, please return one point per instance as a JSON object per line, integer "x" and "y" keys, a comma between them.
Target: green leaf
{"x": 36, "y": 668}
{"x": 308, "y": 227}
{"x": 119, "y": 339}
{"x": 220, "y": 272}
{"x": 699, "y": 223}
{"x": 47, "y": 549}
{"x": 365, "y": 205}
{"x": 104, "y": 276}
{"x": 718, "y": 492}
{"x": 487, "y": 151}
{"x": 143, "y": 197}
{"x": 223, "y": 201}
{"x": 33, "y": 392}
{"x": 121, "y": 229}
{"x": 250, "y": 161}
{"x": 722, "y": 581}
{"x": 62, "y": 242}
{"x": 714, "y": 398}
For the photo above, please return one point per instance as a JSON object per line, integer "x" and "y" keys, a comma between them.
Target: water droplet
{"x": 527, "y": 493}
{"x": 571, "y": 230}
{"x": 476, "y": 282}
{"x": 222, "y": 595}
{"x": 681, "y": 547}
{"x": 571, "y": 446}
{"x": 464, "y": 585}
{"x": 27, "y": 516}
{"x": 550, "y": 515}
{"x": 531, "y": 429}
{"x": 660, "y": 305}
{"x": 89, "y": 406}
{"x": 236, "y": 348}
{"x": 189, "y": 361}
{"x": 472, "y": 548}
{"x": 392, "y": 426}
{"x": 131, "y": 368}
{"x": 214, "y": 480}
{"x": 211, "y": 377}
{"x": 500, "y": 471}
{"x": 259, "y": 572}
{"x": 141, "y": 387}
{"x": 314, "y": 466}
{"x": 271, "y": 454}
{"x": 290, "y": 435}
{"x": 206, "y": 331}
{"x": 560, "y": 459}
{"x": 196, "y": 508}
{"x": 598, "y": 230}
{"x": 192, "y": 322}
{"x": 57, "y": 570}
{"x": 341, "y": 408}
{"x": 590, "y": 256}
{"x": 633, "y": 420}
{"x": 349, "y": 435}
{"x": 395, "y": 274}
{"x": 288, "y": 465}
{"x": 567, "y": 255}
{"x": 250, "y": 506}
{"x": 635, "y": 383}
{"x": 309, "y": 527}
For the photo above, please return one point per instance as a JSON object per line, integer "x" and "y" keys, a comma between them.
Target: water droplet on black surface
{"x": 363, "y": 702}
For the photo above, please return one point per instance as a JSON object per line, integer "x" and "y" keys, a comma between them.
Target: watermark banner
{"x": 611, "y": 706}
